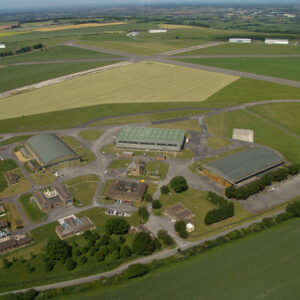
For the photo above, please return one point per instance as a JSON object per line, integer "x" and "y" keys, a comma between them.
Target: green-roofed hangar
{"x": 160, "y": 139}
{"x": 49, "y": 150}
{"x": 240, "y": 168}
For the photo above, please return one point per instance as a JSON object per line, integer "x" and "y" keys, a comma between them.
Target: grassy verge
{"x": 82, "y": 189}
{"x": 217, "y": 142}
{"x": 91, "y": 134}
{"x": 119, "y": 163}
{"x": 43, "y": 177}
{"x": 186, "y": 125}
{"x": 14, "y": 140}
{"x": 32, "y": 211}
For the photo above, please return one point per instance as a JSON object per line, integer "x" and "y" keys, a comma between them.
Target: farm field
{"x": 264, "y": 133}
{"x": 287, "y": 68}
{"x": 217, "y": 142}
{"x": 54, "y": 53}
{"x": 262, "y": 264}
{"x": 119, "y": 86}
{"x": 245, "y": 49}
{"x": 283, "y": 114}
{"x": 186, "y": 125}
{"x": 90, "y": 135}
{"x": 18, "y": 76}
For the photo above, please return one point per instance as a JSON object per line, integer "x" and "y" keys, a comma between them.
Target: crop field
{"x": 131, "y": 84}
{"x": 55, "y": 53}
{"x": 283, "y": 114}
{"x": 66, "y": 27}
{"x": 264, "y": 133}
{"x": 13, "y": 77}
{"x": 287, "y": 68}
{"x": 261, "y": 266}
{"x": 245, "y": 49}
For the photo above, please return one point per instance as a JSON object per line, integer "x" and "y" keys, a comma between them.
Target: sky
{"x": 22, "y": 4}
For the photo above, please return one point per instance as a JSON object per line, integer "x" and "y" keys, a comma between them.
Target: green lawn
{"x": 82, "y": 189}
{"x": 282, "y": 67}
{"x": 54, "y": 53}
{"x": 43, "y": 177}
{"x": 283, "y": 114}
{"x": 14, "y": 139}
{"x": 188, "y": 85}
{"x": 17, "y": 76}
{"x": 247, "y": 90}
{"x": 245, "y": 49}
{"x": 91, "y": 134}
{"x": 32, "y": 211}
{"x": 264, "y": 133}
{"x": 263, "y": 265}
{"x": 217, "y": 142}
{"x": 119, "y": 163}
{"x": 186, "y": 125}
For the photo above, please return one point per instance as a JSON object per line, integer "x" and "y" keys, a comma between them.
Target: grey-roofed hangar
{"x": 160, "y": 139}
{"x": 49, "y": 150}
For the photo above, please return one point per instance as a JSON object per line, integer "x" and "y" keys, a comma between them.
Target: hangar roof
{"x": 152, "y": 134}
{"x": 244, "y": 164}
{"x": 49, "y": 148}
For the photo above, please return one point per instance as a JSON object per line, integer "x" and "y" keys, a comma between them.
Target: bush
{"x": 6, "y": 263}
{"x": 165, "y": 237}
{"x": 117, "y": 226}
{"x": 70, "y": 264}
{"x": 156, "y": 204}
{"x": 125, "y": 251}
{"x": 143, "y": 213}
{"x": 136, "y": 270}
{"x": 179, "y": 184}
{"x": 294, "y": 208}
{"x": 143, "y": 244}
{"x": 164, "y": 190}
{"x": 180, "y": 226}
{"x": 219, "y": 214}
{"x": 82, "y": 259}
{"x": 147, "y": 197}
{"x": 183, "y": 234}
{"x": 283, "y": 217}
{"x": 294, "y": 169}
{"x": 58, "y": 250}
{"x": 268, "y": 222}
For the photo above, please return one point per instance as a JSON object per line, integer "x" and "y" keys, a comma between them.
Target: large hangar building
{"x": 49, "y": 150}
{"x": 242, "y": 167}
{"x": 160, "y": 139}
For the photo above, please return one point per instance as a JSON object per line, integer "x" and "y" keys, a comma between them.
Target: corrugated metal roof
{"x": 152, "y": 134}
{"x": 238, "y": 166}
{"x": 49, "y": 148}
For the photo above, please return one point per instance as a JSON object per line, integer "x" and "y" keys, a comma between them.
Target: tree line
{"x": 22, "y": 50}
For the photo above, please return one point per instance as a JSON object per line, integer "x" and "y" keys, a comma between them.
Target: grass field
{"x": 217, "y": 142}
{"x": 196, "y": 201}
{"x": 261, "y": 266}
{"x": 286, "y": 68}
{"x": 54, "y": 53}
{"x": 264, "y": 133}
{"x": 244, "y": 49}
{"x": 283, "y": 114}
{"x": 13, "y": 216}
{"x": 32, "y": 211}
{"x": 186, "y": 125}
{"x": 91, "y": 134}
{"x": 18, "y": 76}
{"x": 14, "y": 140}
{"x": 130, "y": 84}
{"x": 43, "y": 177}
{"x": 82, "y": 189}
{"x": 119, "y": 163}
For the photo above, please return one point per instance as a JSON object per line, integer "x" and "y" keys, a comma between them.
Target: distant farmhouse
{"x": 48, "y": 198}
{"x": 276, "y": 42}
{"x": 72, "y": 225}
{"x": 240, "y": 40}
{"x": 11, "y": 178}
{"x": 49, "y": 150}
{"x": 157, "y": 30}
{"x": 242, "y": 167}
{"x": 127, "y": 191}
{"x": 160, "y": 139}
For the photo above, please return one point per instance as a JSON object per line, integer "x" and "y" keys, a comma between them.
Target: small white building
{"x": 190, "y": 227}
{"x": 133, "y": 33}
{"x": 276, "y": 42}
{"x": 240, "y": 40}
{"x": 2, "y": 46}
{"x": 157, "y": 30}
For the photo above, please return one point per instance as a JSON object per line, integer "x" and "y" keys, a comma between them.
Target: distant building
{"x": 276, "y": 42}
{"x": 11, "y": 178}
{"x": 2, "y": 46}
{"x": 180, "y": 213}
{"x": 133, "y": 33}
{"x": 49, "y": 150}
{"x": 242, "y": 167}
{"x": 127, "y": 154}
{"x": 48, "y": 198}
{"x": 72, "y": 225}
{"x": 10, "y": 243}
{"x": 137, "y": 167}
{"x": 2, "y": 209}
{"x": 157, "y": 30}
{"x": 160, "y": 139}
{"x": 3, "y": 224}
{"x": 240, "y": 40}
{"x": 127, "y": 191}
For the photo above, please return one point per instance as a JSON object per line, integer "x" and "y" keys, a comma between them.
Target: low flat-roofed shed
{"x": 161, "y": 139}
{"x": 239, "y": 167}
{"x": 48, "y": 149}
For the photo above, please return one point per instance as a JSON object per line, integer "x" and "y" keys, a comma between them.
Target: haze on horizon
{"x": 43, "y": 4}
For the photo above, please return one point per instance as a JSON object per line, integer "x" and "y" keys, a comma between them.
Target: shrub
{"x": 179, "y": 226}
{"x": 136, "y": 270}
{"x": 294, "y": 208}
{"x": 165, "y": 237}
{"x": 70, "y": 264}
{"x": 6, "y": 263}
{"x": 294, "y": 169}
{"x": 156, "y": 204}
{"x": 268, "y": 222}
{"x": 164, "y": 190}
{"x": 82, "y": 259}
{"x": 57, "y": 249}
{"x": 283, "y": 217}
{"x": 117, "y": 226}
{"x": 143, "y": 244}
{"x": 143, "y": 213}
{"x": 147, "y": 197}
{"x": 179, "y": 184}
{"x": 125, "y": 251}
{"x": 219, "y": 214}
